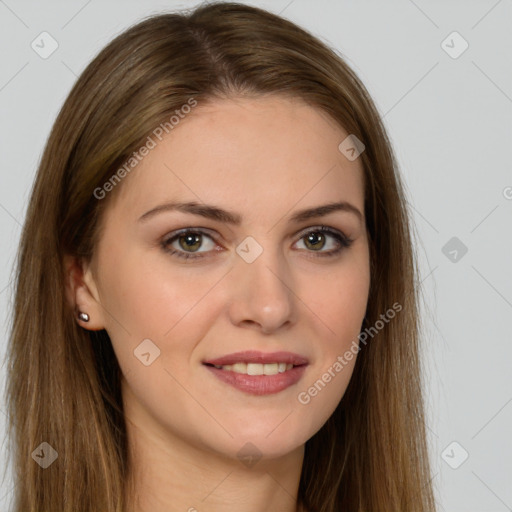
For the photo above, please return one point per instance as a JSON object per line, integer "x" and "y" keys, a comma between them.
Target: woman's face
{"x": 258, "y": 279}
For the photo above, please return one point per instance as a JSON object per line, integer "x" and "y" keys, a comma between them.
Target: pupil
{"x": 314, "y": 238}
{"x": 191, "y": 241}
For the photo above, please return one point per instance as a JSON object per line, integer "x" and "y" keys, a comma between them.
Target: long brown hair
{"x": 64, "y": 381}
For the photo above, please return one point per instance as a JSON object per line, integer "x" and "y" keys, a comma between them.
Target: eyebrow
{"x": 219, "y": 214}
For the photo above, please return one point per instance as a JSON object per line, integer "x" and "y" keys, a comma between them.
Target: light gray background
{"x": 450, "y": 123}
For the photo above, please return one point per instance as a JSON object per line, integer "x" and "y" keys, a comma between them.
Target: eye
{"x": 187, "y": 242}
{"x": 316, "y": 239}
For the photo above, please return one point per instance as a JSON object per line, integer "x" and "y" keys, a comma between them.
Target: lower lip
{"x": 260, "y": 384}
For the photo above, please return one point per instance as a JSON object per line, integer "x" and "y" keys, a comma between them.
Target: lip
{"x": 254, "y": 356}
{"x": 259, "y": 384}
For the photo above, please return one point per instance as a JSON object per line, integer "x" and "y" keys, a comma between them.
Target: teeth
{"x": 237, "y": 367}
{"x": 270, "y": 369}
{"x": 256, "y": 368}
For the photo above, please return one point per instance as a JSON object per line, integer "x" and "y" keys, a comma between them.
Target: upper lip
{"x": 254, "y": 356}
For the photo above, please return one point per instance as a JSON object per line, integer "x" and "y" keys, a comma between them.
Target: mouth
{"x": 258, "y": 373}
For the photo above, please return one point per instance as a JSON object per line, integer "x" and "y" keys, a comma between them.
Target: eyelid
{"x": 191, "y": 229}
{"x": 197, "y": 230}
{"x": 319, "y": 227}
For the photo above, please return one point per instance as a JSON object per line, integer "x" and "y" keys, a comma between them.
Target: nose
{"x": 262, "y": 294}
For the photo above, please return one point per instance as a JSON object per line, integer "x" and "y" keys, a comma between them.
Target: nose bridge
{"x": 262, "y": 290}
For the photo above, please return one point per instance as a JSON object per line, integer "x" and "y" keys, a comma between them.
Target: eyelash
{"x": 343, "y": 241}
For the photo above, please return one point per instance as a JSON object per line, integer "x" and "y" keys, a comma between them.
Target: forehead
{"x": 250, "y": 154}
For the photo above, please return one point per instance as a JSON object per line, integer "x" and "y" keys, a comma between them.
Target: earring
{"x": 83, "y": 316}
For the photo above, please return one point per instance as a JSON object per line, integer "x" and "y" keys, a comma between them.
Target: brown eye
{"x": 187, "y": 244}
{"x": 318, "y": 239}
{"x": 190, "y": 241}
{"x": 315, "y": 240}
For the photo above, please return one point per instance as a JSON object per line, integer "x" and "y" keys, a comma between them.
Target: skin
{"x": 264, "y": 158}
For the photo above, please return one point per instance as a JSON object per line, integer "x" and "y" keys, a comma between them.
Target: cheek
{"x": 346, "y": 310}
{"x": 149, "y": 294}
{"x": 147, "y": 297}
{"x": 340, "y": 299}
{"x": 341, "y": 305}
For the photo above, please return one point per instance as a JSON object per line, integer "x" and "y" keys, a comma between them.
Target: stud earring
{"x": 83, "y": 316}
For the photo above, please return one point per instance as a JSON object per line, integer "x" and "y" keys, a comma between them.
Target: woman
{"x": 216, "y": 302}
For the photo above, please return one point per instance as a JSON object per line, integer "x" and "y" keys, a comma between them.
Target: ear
{"x": 82, "y": 293}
